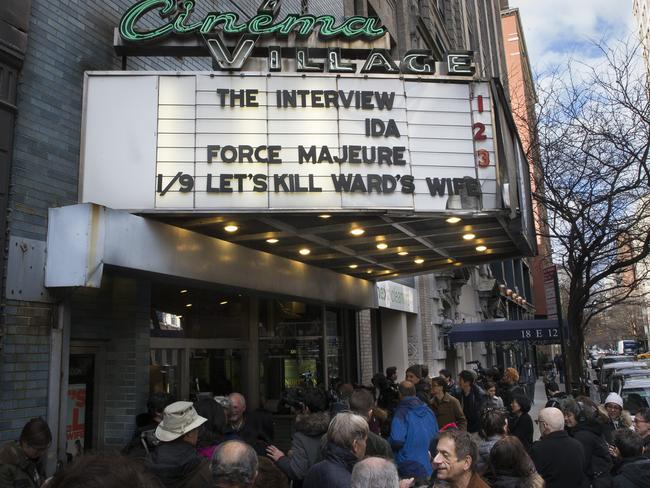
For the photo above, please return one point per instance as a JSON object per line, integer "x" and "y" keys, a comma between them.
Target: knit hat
{"x": 179, "y": 418}
{"x": 614, "y": 398}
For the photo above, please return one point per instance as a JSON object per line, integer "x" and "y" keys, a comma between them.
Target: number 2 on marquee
{"x": 479, "y": 134}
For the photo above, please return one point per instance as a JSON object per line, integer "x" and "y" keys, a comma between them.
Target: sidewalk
{"x": 540, "y": 402}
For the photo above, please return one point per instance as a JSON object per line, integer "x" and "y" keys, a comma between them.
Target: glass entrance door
{"x": 80, "y": 403}
{"x": 190, "y": 372}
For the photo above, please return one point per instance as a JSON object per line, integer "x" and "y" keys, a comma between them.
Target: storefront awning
{"x": 84, "y": 239}
{"x": 507, "y": 330}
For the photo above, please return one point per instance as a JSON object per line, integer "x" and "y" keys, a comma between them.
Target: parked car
{"x": 601, "y": 361}
{"x": 620, "y": 377}
{"x": 636, "y": 395}
{"x": 608, "y": 370}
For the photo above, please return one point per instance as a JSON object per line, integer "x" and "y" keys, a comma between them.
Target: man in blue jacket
{"x": 413, "y": 431}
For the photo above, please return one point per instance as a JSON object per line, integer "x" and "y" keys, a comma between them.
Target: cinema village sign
{"x": 177, "y": 17}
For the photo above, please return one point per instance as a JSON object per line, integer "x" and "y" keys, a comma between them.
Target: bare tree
{"x": 593, "y": 177}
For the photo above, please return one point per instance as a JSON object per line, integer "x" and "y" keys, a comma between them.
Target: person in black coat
{"x": 311, "y": 424}
{"x": 634, "y": 471}
{"x": 584, "y": 425}
{"x": 559, "y": 459}
{"x": 642, "y": 427}
{"x": 471, "y": 398}
{"x": 511, "y": 467}
{"x": 346, "y": 444}
{"x": 520, "y": 424}
{"x": 509, "y": 387}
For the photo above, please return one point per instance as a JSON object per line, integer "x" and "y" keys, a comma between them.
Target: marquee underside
{"x": 440, "y": 245}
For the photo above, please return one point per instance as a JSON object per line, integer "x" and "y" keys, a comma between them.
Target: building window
{"x": 304, "y": 7}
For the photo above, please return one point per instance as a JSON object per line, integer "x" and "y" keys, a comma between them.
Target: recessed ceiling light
{"x": 386, "y": 271}
{"x": 458, "y": 264}
{"x": 223, "y": 303}
{"x": 353, "y": 266}
{"x": 357, "y": 232}
{"x": 304, "y": 251}
{"x": 469, "y": 236}
{"x": 418, "y": 261}
{"x": 231, "y": 228}
{"x": 402, "y": 253}
{"x": 382, "y": 246}
{"x": 481, "y": 248}
{"x": 183, "y": 291}
{"x": 369, "y": 271}
{"x": 453, "y": 220}
{"x": 450, "y": 261}
{"x": 188, "y": 305}
{"x": 325, "y": 216}
{"x": 272, "y": 241}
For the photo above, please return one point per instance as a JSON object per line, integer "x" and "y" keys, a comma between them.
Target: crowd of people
{"x": 463, "y": 432}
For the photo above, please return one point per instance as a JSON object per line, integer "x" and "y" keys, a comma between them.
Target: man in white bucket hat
{"x": 175, "y": 461}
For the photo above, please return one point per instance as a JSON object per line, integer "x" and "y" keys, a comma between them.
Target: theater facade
{"x": 232, "y": 224}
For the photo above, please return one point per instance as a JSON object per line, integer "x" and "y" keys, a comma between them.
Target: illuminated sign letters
{"x": 177, "y": 20}
{"x": 177, "y": 15}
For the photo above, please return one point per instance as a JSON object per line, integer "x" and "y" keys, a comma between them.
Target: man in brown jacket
{"x": 456, "y": 461}
{"x": 445, "y": 406}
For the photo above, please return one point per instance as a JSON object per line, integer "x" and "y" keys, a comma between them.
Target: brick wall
{"x": 24, "y": 366}
{"x": 117, "y": 317}
{"x": 425, "y": 288}
{"x": 364, "y": 319}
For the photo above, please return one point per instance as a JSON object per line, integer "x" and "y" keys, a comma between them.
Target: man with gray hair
{"x": 559, "y": 459}
{"x": 254, "y": 428}
{"x": 346, "y": 445}
{"x": 234, "y": 465}
{"x": 377, "y": 472}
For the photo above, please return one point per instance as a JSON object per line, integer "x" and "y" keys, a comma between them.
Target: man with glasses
{"x": 642, "y": 427}
{"x": 617, "y": 418}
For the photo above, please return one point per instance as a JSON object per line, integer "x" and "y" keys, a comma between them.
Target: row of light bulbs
{"x": 358, "y": 231}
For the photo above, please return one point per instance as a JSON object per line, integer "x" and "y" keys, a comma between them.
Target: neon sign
{"x": 177, "y": 14}
{"x": 215, "y": 26}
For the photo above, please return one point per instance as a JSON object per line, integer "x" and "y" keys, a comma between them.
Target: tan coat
{"x": 448, "y": 411}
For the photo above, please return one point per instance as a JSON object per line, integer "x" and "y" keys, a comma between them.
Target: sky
{"x": 559, "y": 30}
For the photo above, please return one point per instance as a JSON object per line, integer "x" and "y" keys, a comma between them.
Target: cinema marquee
{"x": 305, "y": 130}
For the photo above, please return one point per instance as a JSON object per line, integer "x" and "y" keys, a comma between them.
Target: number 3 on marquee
{"x": 483, "y": 158}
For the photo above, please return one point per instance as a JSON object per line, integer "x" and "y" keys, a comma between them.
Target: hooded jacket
{"x": 598, "y": 463}
{"x": 624, "y": 422}
{"x": 634, "y": 473}
{"x": 177, "y": 465}
{"x": 17, "y": 470}
{"x": 504, "y": 480}
{"x": 413, "y": 429}
{"x": 305, "y": 445}
{"x": 484, "y": 449}
{"x": 335, "y": 471}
